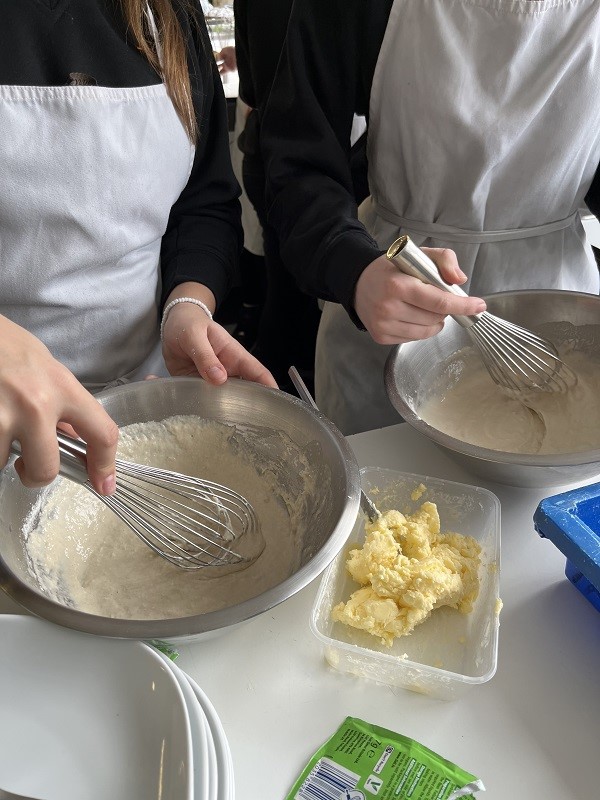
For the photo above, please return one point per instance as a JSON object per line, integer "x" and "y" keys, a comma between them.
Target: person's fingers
{"x": 68, "y": 429}
{"x": 437, "y": 301}
{"x": 204, "y": 359}
{"x": 37, "y": 394}
{"x": 29, "y": 417}
{"x": 250, "y": 369}
{"x": 234, "y": 360}
{"x": 195, "y": 345}
{"x": 186, "y": 347}
{"x": 386, "y": 300}
{"x": 228, "y": 57}
{"x": 39, "y": 461}
{"x": 101, "y": 434}
{"x": 447, "y": 263}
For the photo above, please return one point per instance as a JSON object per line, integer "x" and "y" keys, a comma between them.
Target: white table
{"x": 531, "y": 732}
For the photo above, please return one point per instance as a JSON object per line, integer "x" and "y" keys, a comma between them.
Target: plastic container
{"x": 572, "y": 521}
{"x": 448, "y": 652}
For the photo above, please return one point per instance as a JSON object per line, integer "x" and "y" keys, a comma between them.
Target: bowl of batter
{"x": 538, "y": 439}
{"x": 66, "y": 557}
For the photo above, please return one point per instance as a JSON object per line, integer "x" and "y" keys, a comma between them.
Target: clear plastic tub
{"x": 449, "y": 651}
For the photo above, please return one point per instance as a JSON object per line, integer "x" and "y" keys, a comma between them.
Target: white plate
{"x": 88, "y": 718}
{"x": 204, "y": 766}
{"x": 226, "y": 783}
{"x": 213, "y": 766}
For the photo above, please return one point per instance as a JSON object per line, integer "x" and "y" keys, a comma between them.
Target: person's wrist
{"x": 171, "y": 305}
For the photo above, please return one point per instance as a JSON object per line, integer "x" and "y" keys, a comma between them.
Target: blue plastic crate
{"x": 572, "y": 521}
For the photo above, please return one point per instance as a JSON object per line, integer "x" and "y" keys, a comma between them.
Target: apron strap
{"x": 448, "y": 233}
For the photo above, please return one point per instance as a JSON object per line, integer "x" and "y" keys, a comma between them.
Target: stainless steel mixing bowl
{"x": 414, "y": 372}
{"x": 330, "y": 505}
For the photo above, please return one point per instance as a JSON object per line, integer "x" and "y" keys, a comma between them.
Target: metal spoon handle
{"x": 410, "y": 259}
{"x": 365, "y": 503}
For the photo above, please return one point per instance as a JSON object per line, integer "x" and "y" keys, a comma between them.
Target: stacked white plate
{"x": 87, "y": 718}
{"x": 212, "y": 764}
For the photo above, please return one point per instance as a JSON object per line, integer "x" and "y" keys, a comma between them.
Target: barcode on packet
{"x": 327, "y": 781}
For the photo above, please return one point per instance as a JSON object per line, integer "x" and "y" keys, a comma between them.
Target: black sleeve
{"x": 592, "y": 199}
{"x": 260, "y": 30}
{"x": 305, "y": 139}
{"x": 204, "y": 236}
{"x": 242, "y": 53}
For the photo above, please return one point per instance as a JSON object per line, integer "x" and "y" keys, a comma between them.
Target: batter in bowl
{"x": 81, "y": 554}
{"x": 477, "y": 411}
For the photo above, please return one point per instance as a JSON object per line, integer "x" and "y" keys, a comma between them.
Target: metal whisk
{"x": 193, "y": 523}
{"x": 515, "y": 357}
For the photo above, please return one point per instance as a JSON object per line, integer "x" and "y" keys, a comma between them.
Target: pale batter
{"x": 81, "y": 554}
{"x": 407, "y": 568}
{"x": 477, "y": 411}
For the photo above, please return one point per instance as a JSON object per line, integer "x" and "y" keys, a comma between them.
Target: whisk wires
{"x": 190, "y": 522}
{"x": 518, "y": 359}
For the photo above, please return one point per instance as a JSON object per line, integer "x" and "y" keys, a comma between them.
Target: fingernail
{"x": 215, "y": 372}
{"x": 481, "y": 306}
{"x": 109, "y": 485}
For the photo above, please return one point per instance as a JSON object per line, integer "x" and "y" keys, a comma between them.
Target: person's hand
{"x": 39, "y": 394}
{"x": 226, "y": 60}
{"x": 397, "y": 308}
{"x": 193, "y": 344}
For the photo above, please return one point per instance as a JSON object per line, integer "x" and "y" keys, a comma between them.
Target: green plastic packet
{"x": 166, "y": 649}
{"x": 361, "y": 761}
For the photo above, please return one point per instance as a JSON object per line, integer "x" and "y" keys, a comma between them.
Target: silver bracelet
{"x": 173, "y": 303}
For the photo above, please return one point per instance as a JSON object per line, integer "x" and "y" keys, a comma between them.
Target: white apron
{"x": 484, "y": 136}
{"x": 89, "y": 178}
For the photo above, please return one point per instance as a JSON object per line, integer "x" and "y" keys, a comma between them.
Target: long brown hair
{"x": 174, "y": 68}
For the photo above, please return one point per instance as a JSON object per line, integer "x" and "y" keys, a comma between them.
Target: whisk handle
{"x": 411, "y": 260}
{"x": 72, "y": 457}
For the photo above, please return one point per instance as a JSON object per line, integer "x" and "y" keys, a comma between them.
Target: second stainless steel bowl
{"x": 413, "y": 371}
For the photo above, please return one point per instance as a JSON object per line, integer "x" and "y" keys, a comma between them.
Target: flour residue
{"x": 81, "y": 554}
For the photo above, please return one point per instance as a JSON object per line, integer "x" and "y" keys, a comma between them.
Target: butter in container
{"x": 571, "y": 521}
{"x": 450, "y": 651}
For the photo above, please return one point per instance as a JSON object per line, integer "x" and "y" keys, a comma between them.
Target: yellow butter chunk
{"x": 407, "y": 568}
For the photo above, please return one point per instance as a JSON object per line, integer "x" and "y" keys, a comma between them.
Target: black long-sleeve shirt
{"x": 324, "y": 77}
{"x": 43, "y": 41}
{"x": 260, "y": 29}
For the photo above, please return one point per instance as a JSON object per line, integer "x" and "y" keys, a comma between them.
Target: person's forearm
{"x": 305, "y": 138}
